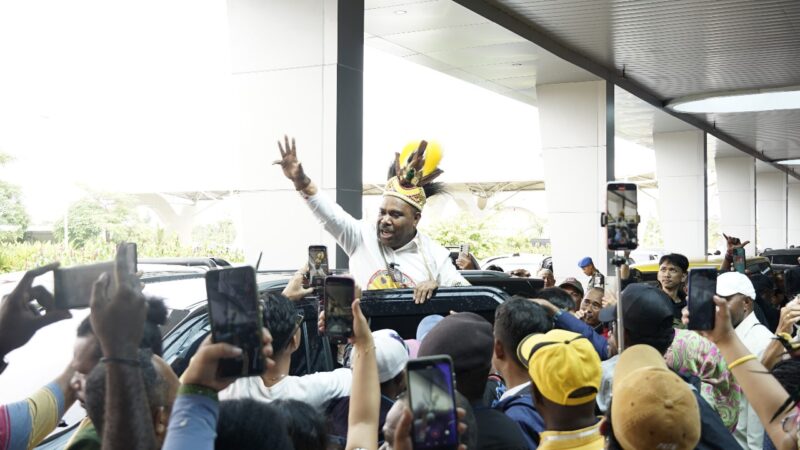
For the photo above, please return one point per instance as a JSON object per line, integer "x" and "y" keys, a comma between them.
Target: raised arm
{"x": 363, "y": 418}
{"x": 341, "y": 225}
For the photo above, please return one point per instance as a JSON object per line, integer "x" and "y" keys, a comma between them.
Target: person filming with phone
{"x": 391, "y": 252}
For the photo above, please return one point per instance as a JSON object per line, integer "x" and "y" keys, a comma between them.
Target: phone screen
{"x": 339, "y": 296}
{"x": 72, "y": 286}
{"x": 432, "y": 399}
{"x": 739, "y": 260}
{"x": 317, "y": 264}
{"x": 622, "y": 226}
{"x": 702, "y": 288}
{"x": 236, "y": 318}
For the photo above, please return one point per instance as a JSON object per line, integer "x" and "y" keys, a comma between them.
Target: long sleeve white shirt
{"x": 756, "y": 337}
{"x": 420, "y": 260}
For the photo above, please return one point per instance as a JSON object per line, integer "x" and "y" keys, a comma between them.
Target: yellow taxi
{"x": 648, "y": 271}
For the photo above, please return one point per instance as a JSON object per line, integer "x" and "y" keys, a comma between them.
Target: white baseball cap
{"x": 390, "y": 352}
{"x": 730, "y": 283}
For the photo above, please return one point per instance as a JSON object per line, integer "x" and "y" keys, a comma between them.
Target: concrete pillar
{"x": 771, "y": 209}
{"x": 736, "y": 181}
{"x": 297, "y": 69}
{"x": 681, "y": 174}
{"x": 793, "y": 206}
{"x": 572, "y": 122}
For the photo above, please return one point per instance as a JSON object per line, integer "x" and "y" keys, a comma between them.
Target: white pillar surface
{"x": 284, "y": 64}
{"x": 736, "y": 181}
{"x": 771, "y": 209}
{"x": 793, "y": 233}
{"x": 681, "y": 174}
{"x": 572, "y": 122}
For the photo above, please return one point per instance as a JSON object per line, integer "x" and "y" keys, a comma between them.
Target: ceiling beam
{"x": 541, "y": 38}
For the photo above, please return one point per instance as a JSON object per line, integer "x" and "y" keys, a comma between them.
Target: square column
{"x": 298, "y": 70}
{"x": 572, "y": 122}
{"x": 681, "y": 174}
{"x": 736, "y": 180}
{"x": 793, "y": 212}
{"x": 771, "y": 209}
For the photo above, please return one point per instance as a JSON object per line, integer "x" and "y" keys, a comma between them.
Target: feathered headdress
{"x": 412, "y": 173}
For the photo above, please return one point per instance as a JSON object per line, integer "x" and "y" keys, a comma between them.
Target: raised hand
{"x": 291, "y": 166}
{"x": 19, "y": 320}
{"x": 734, "y": 242}
{"x": 202, "y": 368}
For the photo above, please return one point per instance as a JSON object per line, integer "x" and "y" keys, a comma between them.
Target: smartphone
{"x": 431, "y": 395}
{"x": 622, "y": 216}
{"x": 739, "y": 260}
{"x": 317, "y": 265}
{"x": 72, "y": 286}
{"x": 464, "y": 248}
{"x": 339, "y": 295}
{"x": 233, "y": 309}
{"x": 702, "y": 288}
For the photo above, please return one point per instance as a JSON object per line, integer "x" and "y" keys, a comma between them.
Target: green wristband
{"x": 196, "y": 389}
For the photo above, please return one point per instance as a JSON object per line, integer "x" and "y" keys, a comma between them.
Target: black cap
{"x": 646, "y": 310}
{"x": 466, "y": 337}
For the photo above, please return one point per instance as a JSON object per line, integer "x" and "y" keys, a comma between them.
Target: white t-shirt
{"x": 420, "y": 260}
{"x": 756, "y": 337}
{"x": 315, "y": 389}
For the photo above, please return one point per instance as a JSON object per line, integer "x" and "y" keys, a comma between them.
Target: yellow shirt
{"x": 583, "y": 439}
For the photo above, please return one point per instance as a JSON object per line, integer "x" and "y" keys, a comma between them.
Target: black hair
{"x": 787, "y": 372}
{"x": 306, "y": 426}
{"x": 660, "y": 339}
{"x": 791, "y": 282}
{"x": 155, "y": 388}
{"x": 495, "y": 268}
{"x": 517, "y": 318}
{"x": 676, "y": 259}
{"x": 151, "y": 338}
{"x": 559, "y": 297}
{"x": 279, "y": 318}
{"x": 250, "y": 424}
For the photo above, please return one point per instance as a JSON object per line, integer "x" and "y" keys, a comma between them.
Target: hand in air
{"x": 202, "y": 370}
{"x": 292, "y": 168}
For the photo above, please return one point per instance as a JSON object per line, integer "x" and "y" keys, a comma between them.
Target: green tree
{"x": 221, "y": 233}
{"x": 102, "y": 216}
{"x": 13, "y": 217}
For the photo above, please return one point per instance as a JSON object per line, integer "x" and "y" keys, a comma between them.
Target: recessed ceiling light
{"x": 743, "y": 101}
{"x": 789, "y": 162}
{"x": 400, "y": 12}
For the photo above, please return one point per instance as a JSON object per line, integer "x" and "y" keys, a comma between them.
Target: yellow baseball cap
{"x": 649, "y": 402}
{"x": 563, "y": 365}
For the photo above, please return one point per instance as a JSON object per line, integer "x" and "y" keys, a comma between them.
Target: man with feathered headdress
{"x": 389, "y": 253}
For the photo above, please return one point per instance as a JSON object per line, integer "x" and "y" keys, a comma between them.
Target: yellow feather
{"x": 433, "y": 155}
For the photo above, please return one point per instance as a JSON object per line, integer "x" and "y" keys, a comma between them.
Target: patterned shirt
{"x": 24, "y": 424}
{"x": 692, "y": 354}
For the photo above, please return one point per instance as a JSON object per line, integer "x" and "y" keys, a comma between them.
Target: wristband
{"x": 196, "y": 389}
{"x": 741, "y": 361}
{"x": 126, "y": 361}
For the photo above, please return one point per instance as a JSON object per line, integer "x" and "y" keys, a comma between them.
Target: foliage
{"x": 98, "y": 215}
{"x": 222, "y": 233}
{"x": 483, "y": 240}
{"x": 652, "y": 238}
{"x": 13, "y": 217}
{"x": 27, "y": 255}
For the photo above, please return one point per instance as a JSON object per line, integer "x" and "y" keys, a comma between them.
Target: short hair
{"x": 306, "y": 426}
{"x": 676, "y": 259}
{"x": 155, "y": 388}
{"x": 517, "y": 318}
{"x": 660, "y": 339}
{"x": 279, "y": 318}
{"x": 151, "y": 337}
{"x": 559, "y": 297}
{"x": 250, "y": 424}
{"x": 494, "y": 268}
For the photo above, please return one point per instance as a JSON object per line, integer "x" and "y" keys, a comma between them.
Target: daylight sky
{"x": 137, "y": 97}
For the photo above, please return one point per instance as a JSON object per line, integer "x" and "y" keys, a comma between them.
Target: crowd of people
{"x": 546, "y": 373}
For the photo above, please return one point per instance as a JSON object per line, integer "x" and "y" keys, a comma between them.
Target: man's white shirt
{"x": 420, "y": 260}
{"x": 756, "y": 337}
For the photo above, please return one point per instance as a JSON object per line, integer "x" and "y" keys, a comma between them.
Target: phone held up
{"x": 622, "y": 217}
{"x": 739, "y": 260}
{"x": 339, "y": 295}
{"x": 235, "y": 316}
{"x": 702, "y": 288}
{"x": 317, "y": 265}
{"x": 72, "y": 286}
{"x": 431, "y": 395}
